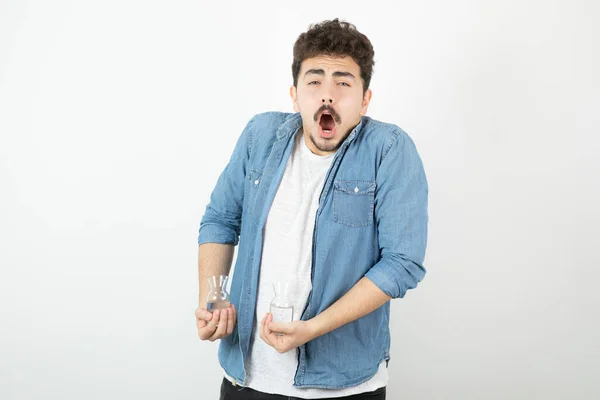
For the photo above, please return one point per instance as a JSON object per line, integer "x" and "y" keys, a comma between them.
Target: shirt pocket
{"x": 353, "y": 202}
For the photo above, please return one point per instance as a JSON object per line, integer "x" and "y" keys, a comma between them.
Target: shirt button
{"x": 356, "y": 190}
{"x": 256, "y": 182}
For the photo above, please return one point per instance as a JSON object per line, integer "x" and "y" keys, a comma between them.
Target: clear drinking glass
{"x": 281, "y": 305}
{"x": 218, "y": 297}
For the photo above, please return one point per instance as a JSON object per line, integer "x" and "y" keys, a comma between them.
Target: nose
{"x": 327, "y": 91}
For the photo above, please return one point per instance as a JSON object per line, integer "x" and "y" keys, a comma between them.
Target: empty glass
{"x": 218, "y": 298}
{"x": 281, "y": 305}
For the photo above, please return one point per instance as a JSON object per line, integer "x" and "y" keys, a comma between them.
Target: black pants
{"x": 230, "y": 392}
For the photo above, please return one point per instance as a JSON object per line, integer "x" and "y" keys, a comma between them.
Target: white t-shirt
{"x": 287, "y": 256}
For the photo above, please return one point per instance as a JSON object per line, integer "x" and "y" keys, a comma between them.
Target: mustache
{"x": 335, "y": 115}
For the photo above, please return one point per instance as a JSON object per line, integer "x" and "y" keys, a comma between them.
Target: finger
{"x": 200, "y": 323}
{"x": 263, "y": 333}
{"x": 268, "y": 319}
{"x": 201, "y": 313}
{"x": 268, "y": 332}
{"x": 262, "y": 326}
{"x": 275, "y": 340}
{"x": 281, "y": 327}
{"x": 222, "y": 326}
{"x": 210, "y": 329}
{"x": 224, "y": 321}
{"x": 230, "y": 321}
{"x": 214, "y": 321}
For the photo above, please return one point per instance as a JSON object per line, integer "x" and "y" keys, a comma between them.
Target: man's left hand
{"x": 291, "y": 334}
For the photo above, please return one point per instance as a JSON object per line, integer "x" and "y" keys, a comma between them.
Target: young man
{"x": 333, "y": 203}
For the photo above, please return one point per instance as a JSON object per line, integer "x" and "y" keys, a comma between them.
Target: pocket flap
{"x": 254, "y": 176}
{"x": 355, "y": 187}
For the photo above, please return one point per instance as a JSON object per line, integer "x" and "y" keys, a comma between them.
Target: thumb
{"x": 202, "y": 314}
{"x": 281, "y": 327}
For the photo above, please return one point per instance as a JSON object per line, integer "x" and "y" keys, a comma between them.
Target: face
{"x": 329, "y": 97}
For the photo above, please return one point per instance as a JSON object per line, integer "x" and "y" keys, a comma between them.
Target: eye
{"x": 344, "y": 84}
{"x": 314, "y": 83}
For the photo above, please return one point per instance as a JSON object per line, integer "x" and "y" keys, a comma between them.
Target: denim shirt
{"x": 371, "y": 222}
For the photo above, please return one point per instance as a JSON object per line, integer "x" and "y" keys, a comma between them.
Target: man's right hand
{"x": 215, "y": 325}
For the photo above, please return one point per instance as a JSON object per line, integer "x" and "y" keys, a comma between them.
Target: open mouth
{"x": 326, "y": 122}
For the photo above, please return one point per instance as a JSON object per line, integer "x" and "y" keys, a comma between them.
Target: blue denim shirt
{"x": 371, "y": 221}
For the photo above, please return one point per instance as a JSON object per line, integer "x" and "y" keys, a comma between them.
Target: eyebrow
{"x": 335, "y": 74}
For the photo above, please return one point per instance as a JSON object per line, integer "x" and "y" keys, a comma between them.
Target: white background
{"x": 117, "y": 117}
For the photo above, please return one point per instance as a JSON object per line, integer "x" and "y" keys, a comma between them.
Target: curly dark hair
{"x": 335, "y": 38}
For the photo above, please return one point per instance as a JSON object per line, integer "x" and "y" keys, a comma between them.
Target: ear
{"x": 294, "y": 96}
{"x": 366, "y": 101}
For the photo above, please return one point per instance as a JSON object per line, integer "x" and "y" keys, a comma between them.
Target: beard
{"x": 326, "y": 145}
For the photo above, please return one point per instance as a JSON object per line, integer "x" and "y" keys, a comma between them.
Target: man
{"x": 333, "y": 203}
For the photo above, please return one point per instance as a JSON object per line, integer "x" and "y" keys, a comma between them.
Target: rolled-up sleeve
{"x": 401, "y": 215}
{"x": 222, "y": 219}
